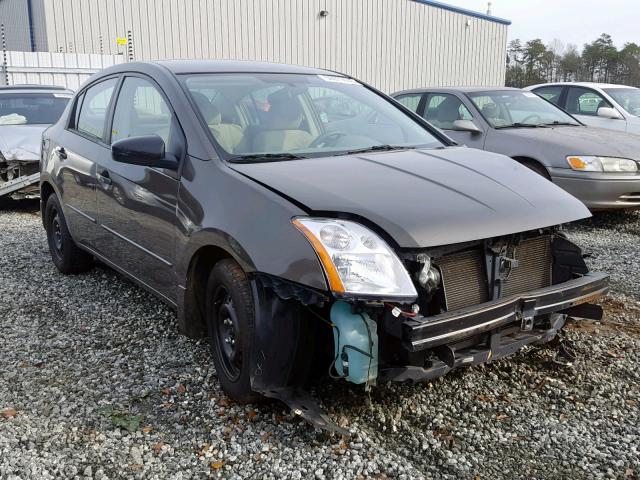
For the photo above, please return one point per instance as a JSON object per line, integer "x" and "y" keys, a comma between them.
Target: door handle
{"x": 60, "y": 152}
{"x": 104, "y": 178}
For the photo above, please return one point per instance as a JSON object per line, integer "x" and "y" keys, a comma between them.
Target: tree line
{"x": 599, "y": 61}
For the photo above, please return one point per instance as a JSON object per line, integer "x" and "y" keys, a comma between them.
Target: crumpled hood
{"x": 424, "y": 198}
{"x": 581, "y": 140}
{"x": 21, "y": 142}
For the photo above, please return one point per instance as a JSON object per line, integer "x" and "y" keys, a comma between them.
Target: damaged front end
{"x": 19, "y": 173}
{"x": 471, "y": 303}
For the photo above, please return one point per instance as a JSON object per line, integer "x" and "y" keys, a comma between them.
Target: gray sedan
{"x": 600, "y": 167}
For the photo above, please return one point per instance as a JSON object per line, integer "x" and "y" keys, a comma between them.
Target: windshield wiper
{"x": 375, "y": 148}
{"x": 523, "y": 125}
{"x": 555, "y": 122}
{"x": 265, "y": 157}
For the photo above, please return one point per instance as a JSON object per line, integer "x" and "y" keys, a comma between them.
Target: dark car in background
{"x": 25, "y": 112}
{"x": 308, "y": 245}
{"x": 600, "y": 167}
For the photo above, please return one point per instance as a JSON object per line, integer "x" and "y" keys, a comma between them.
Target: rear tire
{"x": 230, "y": 323}
{"x": 66, "y": 255}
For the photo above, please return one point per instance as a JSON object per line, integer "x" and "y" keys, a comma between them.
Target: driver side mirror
{"x": 147, "y": 150}
{"x": 466, "y": 126}
{"x": 608, "y": 112}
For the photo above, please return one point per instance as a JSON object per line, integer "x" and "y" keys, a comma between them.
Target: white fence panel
{"x": 68, "y": 70}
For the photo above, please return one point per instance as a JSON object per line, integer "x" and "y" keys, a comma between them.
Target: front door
{"x": 443, "y": 109}
{"x": 137, "y": 203}
{"x": 583, "y": 103}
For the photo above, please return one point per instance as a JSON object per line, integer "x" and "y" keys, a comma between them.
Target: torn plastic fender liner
{"x": 283, "y": 346}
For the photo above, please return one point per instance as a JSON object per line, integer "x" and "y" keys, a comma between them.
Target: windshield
{"x": 32, "y": 108}
{"x": 515, "y": 108}
{"x": 257, "y": 117}
{"x": 628, "y": 98}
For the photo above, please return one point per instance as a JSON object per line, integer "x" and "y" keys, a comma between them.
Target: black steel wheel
{"x": 230, "y": 323}
{"x": 66, "y": 255}
{"x": 227, "y": 333}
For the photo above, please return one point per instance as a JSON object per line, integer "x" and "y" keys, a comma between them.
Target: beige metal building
{"x": 392, "y": 44}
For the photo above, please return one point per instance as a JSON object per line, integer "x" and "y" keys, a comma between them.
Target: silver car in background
{"x": 604, "y": 105}
{"x": 600, "y": 167}
{"x": 25, "y": 112}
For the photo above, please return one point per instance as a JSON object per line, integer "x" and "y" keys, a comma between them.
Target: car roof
{"x": 222, "y": 66}
{"x": 582, "y": 84}
{"x": 33, "y": 88}
{"x": 455, "y": 89}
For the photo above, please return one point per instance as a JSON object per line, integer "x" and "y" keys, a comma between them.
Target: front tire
{"x": 66, "y": 255}
{"x": 230, "y": 322}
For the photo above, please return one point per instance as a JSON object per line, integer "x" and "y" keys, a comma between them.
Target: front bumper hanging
{"x": 420, "y": 333}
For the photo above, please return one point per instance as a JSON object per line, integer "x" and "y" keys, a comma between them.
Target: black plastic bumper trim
{"x": 420, "y": 333}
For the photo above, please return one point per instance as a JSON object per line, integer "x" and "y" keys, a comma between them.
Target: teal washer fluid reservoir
{"x": 355, "y": 338}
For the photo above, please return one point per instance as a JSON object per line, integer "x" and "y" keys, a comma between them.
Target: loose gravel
{"x": 95, "y": 382}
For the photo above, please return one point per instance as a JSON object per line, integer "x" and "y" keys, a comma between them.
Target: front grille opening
{"x": 465, "y": 281}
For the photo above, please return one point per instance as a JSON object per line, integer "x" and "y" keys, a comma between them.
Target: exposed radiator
{"x": 464, "y": 277}
{"x": 534, "y": 267}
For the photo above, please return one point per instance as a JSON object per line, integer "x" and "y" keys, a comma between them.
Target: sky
{"x": 570, "y": 21}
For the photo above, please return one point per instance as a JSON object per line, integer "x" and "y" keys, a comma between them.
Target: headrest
{"x": 285, "y": 112}
{"x": 448, "y": 111}
{"x": 210, "y": 113}
{"x": 491, "y": 110}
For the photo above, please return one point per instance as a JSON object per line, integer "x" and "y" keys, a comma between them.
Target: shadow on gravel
{"x": 26, "y": 205}
{"x": 607, "y": 219}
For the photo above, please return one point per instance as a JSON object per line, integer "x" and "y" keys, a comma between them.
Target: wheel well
{"x": 534, "y": 165}
{"x": 197, "y": 276}
{"x": 45, "y": 192}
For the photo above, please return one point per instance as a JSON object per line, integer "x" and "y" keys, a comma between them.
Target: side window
{"x": 583, "y": 101}
{"x": 551, "y": 93}
{"x": 444, "y": 109}
{"x": 93, "y": 110}
{"x": 140, "y": 110}
{"x": 410, "y": 100}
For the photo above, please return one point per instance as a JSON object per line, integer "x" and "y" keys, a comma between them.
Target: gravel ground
{"x": 95, "y": 382}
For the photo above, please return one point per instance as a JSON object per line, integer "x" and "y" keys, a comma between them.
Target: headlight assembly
{"x": 602, "y": 164}
{"x": 357, "y": 261}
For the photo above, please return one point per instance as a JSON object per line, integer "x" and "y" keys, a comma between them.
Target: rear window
{"x": 92, "y": 107}
{"x": 32, "y": 108}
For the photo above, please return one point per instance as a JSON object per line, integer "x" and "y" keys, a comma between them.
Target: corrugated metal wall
{"x": 68, "y": 70}
{"x": 14, "y": 18}
{"x": 393, "y": 44}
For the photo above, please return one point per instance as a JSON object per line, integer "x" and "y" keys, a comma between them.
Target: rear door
{"x": 80, "y": 149}
{"x": 583, "y": 103}
{"x": 137, "y": 203}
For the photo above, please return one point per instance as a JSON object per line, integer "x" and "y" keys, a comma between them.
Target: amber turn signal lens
{"x": 335, "y": 284}
{"x": 577, "y": 163}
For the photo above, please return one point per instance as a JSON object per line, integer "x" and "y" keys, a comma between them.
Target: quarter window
{"x": 93, "y": 110}
{"x": 583, "y": 101}
{"x": 443, "y": 109}
{"x": 140, "y": 110}
{"x": 410, "y": 100}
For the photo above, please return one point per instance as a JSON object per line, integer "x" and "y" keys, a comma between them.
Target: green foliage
{"x": 600, "y": 61}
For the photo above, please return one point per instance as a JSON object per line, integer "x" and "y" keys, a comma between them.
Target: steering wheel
{"x": 328, "y": 139}
{"x": 531, "y": 117}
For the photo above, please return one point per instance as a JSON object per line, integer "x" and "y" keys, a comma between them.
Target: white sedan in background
{"x": 604, "y": 105}
{"x": 25, "y": 112}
